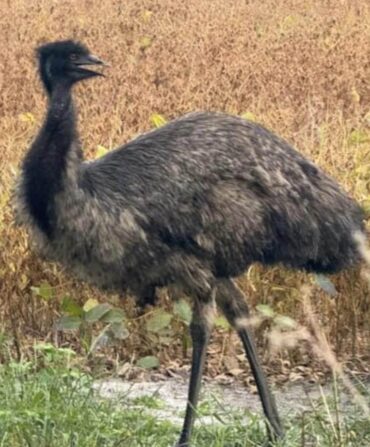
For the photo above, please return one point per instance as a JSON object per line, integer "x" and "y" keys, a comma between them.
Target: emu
{"x": 191, "y": 204}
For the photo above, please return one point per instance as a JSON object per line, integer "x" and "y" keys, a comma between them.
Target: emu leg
{"x": 232, "y": 302}
{"x": 146, "y": 297}
{"x": 200, "y": 329}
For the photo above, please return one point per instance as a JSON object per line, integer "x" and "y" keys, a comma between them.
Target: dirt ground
{"x": 225, "y": 399}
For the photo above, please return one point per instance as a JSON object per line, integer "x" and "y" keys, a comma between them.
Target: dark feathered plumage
{"x": 193, "y": 203}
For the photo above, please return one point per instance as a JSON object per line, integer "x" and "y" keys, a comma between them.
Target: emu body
{"x": 207, "y": 192}
{"x": 192, "y": 203}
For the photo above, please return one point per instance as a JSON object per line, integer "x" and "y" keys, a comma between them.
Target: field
{"x": 300, "y": 68}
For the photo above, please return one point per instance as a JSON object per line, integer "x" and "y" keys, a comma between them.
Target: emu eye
{"x": 73, "y": 57}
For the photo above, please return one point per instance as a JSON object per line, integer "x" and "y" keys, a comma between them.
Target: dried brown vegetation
{"x": 301, "y": 68}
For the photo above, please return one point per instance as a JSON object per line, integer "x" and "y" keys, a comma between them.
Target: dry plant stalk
{"x": 319, "y": 344}
{"x": 322, "y": 349}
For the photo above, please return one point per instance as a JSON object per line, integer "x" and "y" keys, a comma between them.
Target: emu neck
{"x": 60, "y": 104}
{"x": 45, "y": 167}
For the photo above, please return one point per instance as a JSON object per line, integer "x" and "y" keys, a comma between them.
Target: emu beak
{"x": 94, "y": 60}
{"x": 90, "y": 60}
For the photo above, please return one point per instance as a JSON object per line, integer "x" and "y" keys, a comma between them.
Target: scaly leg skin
{"x": 200, "y": 329}
{"x": 232, "y": 302}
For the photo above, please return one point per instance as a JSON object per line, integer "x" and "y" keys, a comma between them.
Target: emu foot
{"x": 184, "y": 441}
{"x": 269, "y": 443}
{"x": 273, "y": 439}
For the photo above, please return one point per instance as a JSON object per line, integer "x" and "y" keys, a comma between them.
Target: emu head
{"x": 65, "y": 62}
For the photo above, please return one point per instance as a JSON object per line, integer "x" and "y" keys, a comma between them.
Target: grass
{"x": 49, "y": 402}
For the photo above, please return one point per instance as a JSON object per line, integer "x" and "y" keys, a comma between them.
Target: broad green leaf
{"x": 265, "y": 310}
{"x": 23, "y": 282}
{"x": 44, "y": 347}
{"x": 51, "y": 349}
{"x": 119, "y": 331}
{"x": 183, "y": 310}
{"x": 90, "y": 304}
{"x": 222, "y": 323}
{"x": 249, "y": 116}
{"x": 289, "y": 22}
{"x": 363, "y": 170}
{"x": 45, "y": 291}
{"x": 157, "y": 120}
{"x": 284, "y": 321}
{"x": 69, "y": 323}
{"x": 325, "y": 284}
{"x": 160, "y": 320}
{"x": 259, "y": 30}
{"x": 148, "y": 362}
{"x": 100, "y": 151}
{"x": 97, "y": 312}
{"x": 113, "y": 316}
{"x": 70, "y": 307}
{"x": 27, "y": 117}
{"x": 147, "y": 14}
{"x": 359, "y": 136}
{"x": 145, "y": 42}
